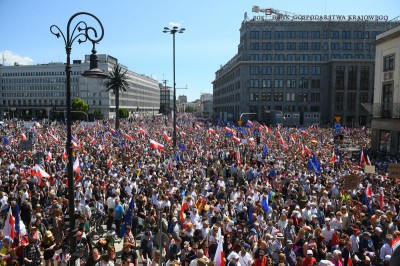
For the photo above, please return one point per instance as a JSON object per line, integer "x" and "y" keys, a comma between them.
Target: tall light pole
{"x": 175, "y": 29}
{"x": 80, "y": 32}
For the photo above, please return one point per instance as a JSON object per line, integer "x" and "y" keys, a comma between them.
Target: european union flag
{"x": 17, "y": 219}
{"x": 229, "y": 134}
{"x": 176, "y": 156}
{"x": 265, "y": 150}
{"x": 316, "y": 165}
{"x": 265, "y": 204}
{"x": 5, "y": 141}
{"x": 365, "y": 202}
{"x": 181, "y": 147}
{"x": 128, "y": 217}
{"x": 198, "y": 137}
{"x": 250, "y": 214}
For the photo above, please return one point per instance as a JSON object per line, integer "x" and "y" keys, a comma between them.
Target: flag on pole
{"x": 265, "y": 203}
{"x": 219, "y": 259}
{"x": 76, "y": 166}
{"x": 166, "y": 137}
{"x": 333, "y": 158}
{"x": 8, "y": 229}
{"x": 362, "y": 158}
{"x": 238, "y": 157}
{"x": 127, "y": 137}
{"x": 155, "y": 145}
{"x": 128, "y": 217}
{"x": 381, "y": 199}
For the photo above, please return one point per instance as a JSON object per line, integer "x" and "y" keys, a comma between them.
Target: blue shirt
{"x": 119, "y": 211}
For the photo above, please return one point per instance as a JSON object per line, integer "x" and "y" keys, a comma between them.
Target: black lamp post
{"x": 174, "y": 30}
{"x": 81, "y": 32}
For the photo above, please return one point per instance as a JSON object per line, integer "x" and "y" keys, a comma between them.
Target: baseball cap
{"x": 289, "y": 242}
{"x": 246, "y": 246}
{"x": 378, "y": 229}
{"x": 309, "y": 252}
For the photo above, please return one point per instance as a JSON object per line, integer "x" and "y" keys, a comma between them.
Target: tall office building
{"x": 309, "y": 69}
{"x": 39, "y": 90}
{"x": 385, "y": 109}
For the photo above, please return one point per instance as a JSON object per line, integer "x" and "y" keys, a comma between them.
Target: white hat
{"x": 233, "y": 255}
{"x": 326, "y": 263}
{"x": 388, "y": 257}
{"x": 309, "y": 252}
{"x": 378, "y": 229}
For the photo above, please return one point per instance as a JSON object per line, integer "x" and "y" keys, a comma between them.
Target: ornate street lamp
{"x": 80, "y": 32}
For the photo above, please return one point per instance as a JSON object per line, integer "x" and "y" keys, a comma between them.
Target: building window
{"x": 346, "y": 46}
{"x": 351, "y": 101}
{"x": 254, "y": 70}
{"x": 278, "y": 34}
{"x": 314, "y": 108}
{"x": 339, "y": 83}
{"x": 291, "y": 70}
{"x": 334, "y": 35}
{"x": 316, "y": 70}
{"x": 315, "y": 97}
{"x": 291, "y": 34}
{"x": 339, "y": 98}
{"x": 315, "y": 84}
{"x": 253, "y": 96}
{"x": 266, "y": 83}
{"x": 266, "y": 70}
{"x": 279, "y": 70}
{"x": 290, "y": 97}
{"x": 352, "y": 78}
{"x": 364, "y": 78}
{"x": 266, "y": 35}
{"x": 266, "y": 46}
{"x": 388, "y": 63}
{"x": 278, "y": 83}
{"x": 303, "y": 46}
{"x": 254, "y": 46}
{"x": 303, "y": 70}
{"x": 255, "y": 57}
{"x": 279, "y": 46}
{"x": 303, "y": 34}
{"x": 254, "y": 83}
{"x": 345, "y": 34}
{"x": 254, "y": 35}
{"x": 291, "y": 83}
{"x": 335, "y": 46}
{"x": 387, "y": 100}
{"x": 278, "y": 96}
{"x": 279, "y": 57}
{"x": 291, "y": 46}
{"x": 266, "y": 57}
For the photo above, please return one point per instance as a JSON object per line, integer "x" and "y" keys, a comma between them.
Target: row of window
{"x": 279, "y": 83}
{"x": 46, "y": 73}
{"x": 388, "y": 63}
{"x": 37, "y": 88}
{"x": 307, "y": 57}
{"x": 37, "y": 80}
{"x": 35, "y": 102}
{"x": 290, "y": 97}
{"x": 345, "y": 34}
{"x": 280, "y": 70}
{"x": 315, "y": 46}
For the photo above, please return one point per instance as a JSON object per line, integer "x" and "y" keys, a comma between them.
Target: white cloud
{"x": 10, "y": 58}
{"x": 173, "y": 24}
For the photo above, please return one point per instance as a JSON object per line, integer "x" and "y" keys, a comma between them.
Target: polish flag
{"x": 64, "y": 155}
{"x": 155, "y": 145}
{"x": 249, "y": 123}
{"x": 227, "y": 129}
{"x": 76, "y": 166}
{"x": 381, "y": 197}
{"x": 212, "y": 131}
{"x": 40, "y": 172}
{"x": 109, "y": 162}
{"x": 219, "y": 259}
{"x": 368, "y": 192}
{"x": 127, "y": 137}
{"x": 48, "y": 158}
{"x": 141, "y": 130}
{"x": 303, "y": 131}
{"x": 307, "y": 150}
{"x": 165, "y": 136}
{"x": 362, "y": 158}
{"x": 183, "y": 134}
{"x": 216, "y": 136}
{"x": 368, "y": 160}
{"x": 333, "y": 158}
{"x": 74, "y": 145}
{"x": 93, "y": 142}
{"x": 184, "y": 207}
{"x": 197, "y": 127}
{"x": 267, "y": 129}
{"x": 251, "y": 142}
{"x": 54, "y": 138}
{"x": 113, "y": 131}
{"x": 40, "y": 137}
{"x": 8, "y": 229}
{"x": 236, "y": 139}
{"x": 23, "y": 137}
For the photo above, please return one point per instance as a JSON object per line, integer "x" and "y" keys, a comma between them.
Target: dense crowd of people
{"x": 251, "y": 195}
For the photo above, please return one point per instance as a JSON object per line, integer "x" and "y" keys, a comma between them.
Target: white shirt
{"x": 355, "y": 241}
{"x": 328, "y": 234}
{"x": 246, "y": 259}
{"x": 385, "y": 250}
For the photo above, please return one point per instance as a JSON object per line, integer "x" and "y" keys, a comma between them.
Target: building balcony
{"x": 379, "y": 110}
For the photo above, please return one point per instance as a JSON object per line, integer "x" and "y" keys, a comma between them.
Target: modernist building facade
{"x": 39, "y": 90}
{"x": 386, "y": 104}
{"x": 308, "y": 70}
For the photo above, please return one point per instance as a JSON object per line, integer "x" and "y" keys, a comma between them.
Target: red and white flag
{"x": 239, "y": 161}
{"x": 381, "y": 199}
{"x": 184, "y": 207}
{"x": 362, "y": 158}
{"x": 155, "y": 145}
{"x": 236, "y": 139}
{"x": 212, "y": 131}
{"x": 23, "y": 137}
{"x": 368, "y": 192}
{"x": 40, "y": 172}
{"x": 127, "y": 137}
{"x": 54, "y": 138}
{"x": 333, "y": 158}
{"x": 8, "y": 229}
{"x": 77, "y": 167}
{"x": 267, "y": 129}
{"x": 109, "y": 162}
{"x": 64, "y": 155}
{"x": 219, "y": 259}
{"x": 166, "y": 137}
{"x": 227, "y": 129}
{"x": 141, "y": 130}
{"x": 368, "y": 160}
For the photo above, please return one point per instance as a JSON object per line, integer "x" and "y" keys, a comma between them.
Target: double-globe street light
{"x": 81, "y": 32}
{"x": 175, "y": 29}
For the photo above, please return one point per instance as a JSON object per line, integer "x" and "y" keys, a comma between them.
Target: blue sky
{"x": 133, "y": 32}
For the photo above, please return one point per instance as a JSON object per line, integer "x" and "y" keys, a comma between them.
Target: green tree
{"x": 117, "y": 81}
{"x": 190, "y": 109}
{"x": 79, "y": 107}
{"x": 98, "y": 115}
{"x": 123, "y": 113}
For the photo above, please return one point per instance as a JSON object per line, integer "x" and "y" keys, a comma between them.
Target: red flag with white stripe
{"x": 8, "y": 229}
{"x": 77, "y": 167}
{"x": 155, "y": 145}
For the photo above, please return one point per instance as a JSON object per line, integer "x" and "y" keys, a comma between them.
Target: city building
{"x": 182, "y": 99}
{"x": 38, "y": 91}
{"x": 166, "y": 98}
{"x": 206, "y": 105}
{"x": 308, "y": 69}
{"x": 385, "y": 108}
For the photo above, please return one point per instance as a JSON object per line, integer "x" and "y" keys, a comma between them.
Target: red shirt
{"x": 261, "y": 262}
{"x": 309, "y": 261}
